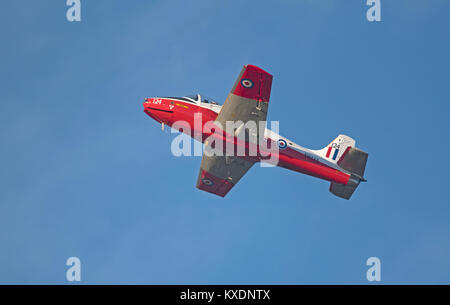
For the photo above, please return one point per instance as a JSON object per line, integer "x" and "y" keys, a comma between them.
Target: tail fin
{"x": 334, "y": 151}
{"x": 343, "y": 152}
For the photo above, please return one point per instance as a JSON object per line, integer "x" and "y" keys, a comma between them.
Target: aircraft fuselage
{"x": 170, "y": 110}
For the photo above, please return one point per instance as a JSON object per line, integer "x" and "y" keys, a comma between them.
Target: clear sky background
{"x": 86, "y": 173}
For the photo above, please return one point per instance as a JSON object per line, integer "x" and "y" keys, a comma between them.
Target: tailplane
{"x": 342, "y": 151}
{"x": 354, "y": 161}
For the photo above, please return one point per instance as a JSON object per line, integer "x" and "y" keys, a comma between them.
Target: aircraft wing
{"x": 218, "y": 174}
{"x": 247, "y": 101}
{"x": 249, "y": 97}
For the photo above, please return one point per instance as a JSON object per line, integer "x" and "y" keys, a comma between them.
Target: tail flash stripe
{"x": 335, "y": 154}
{"x": 328, "y": 152}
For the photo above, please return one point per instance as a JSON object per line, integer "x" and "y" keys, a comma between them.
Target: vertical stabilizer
{"x": 334, "y": 151}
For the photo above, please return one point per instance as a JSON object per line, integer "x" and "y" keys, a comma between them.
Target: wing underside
{"x": 247, "y": 101}
{"x": 218, "y": 174}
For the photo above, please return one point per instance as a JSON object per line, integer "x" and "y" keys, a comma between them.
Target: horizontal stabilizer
{"x": 344, "y": 190}
{"x": 354, "y": 160}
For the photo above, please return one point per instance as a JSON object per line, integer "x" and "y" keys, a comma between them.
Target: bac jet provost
{"x": 340, "y": 162}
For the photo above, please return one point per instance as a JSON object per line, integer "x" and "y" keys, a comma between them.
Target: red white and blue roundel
{"x": 246, "y": 83}
{"x": 207, "y": 182}
{"x": 282, "y": 144}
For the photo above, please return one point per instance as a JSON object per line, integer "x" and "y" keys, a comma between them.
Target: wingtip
{"x": 256, "y": 68}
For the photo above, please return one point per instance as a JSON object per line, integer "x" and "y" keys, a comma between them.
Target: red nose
{"x": 158, "y": 109}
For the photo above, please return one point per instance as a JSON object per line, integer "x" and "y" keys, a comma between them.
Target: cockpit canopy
{"x": 202, "y": 98}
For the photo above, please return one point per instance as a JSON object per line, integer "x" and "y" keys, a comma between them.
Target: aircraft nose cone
{"x": 147, "y": 108}
{"x": 146, "y": 104}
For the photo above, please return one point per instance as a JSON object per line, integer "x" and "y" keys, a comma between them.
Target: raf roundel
{"x": 282, "y": 144}
{"x": 246, "y": 83}
{"x": 207, "y": 182}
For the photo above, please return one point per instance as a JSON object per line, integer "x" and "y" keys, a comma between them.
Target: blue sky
{"x": 86, "y": 173}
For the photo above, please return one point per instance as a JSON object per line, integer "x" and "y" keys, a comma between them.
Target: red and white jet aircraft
{"x": 340, "y": 162}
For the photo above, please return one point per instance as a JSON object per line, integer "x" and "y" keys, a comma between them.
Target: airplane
{"x": 340, "y": 162}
